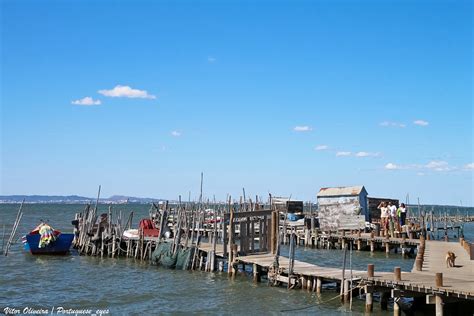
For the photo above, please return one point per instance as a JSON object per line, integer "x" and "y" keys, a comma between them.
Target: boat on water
{"x": 44, "y": 240}
{"x": 146, "y": 228}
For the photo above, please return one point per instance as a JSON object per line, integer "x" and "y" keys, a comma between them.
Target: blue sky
{"x": 274, "y": 96}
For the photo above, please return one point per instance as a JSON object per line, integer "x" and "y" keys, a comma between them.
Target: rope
{"x": 321, "y": 302}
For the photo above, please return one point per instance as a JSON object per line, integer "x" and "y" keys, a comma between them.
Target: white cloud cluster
{"x": 175, "y": 133}
{"x": 391, "y": 166}
{"x": 302, "y": 128}
{"x": 86, "y": 101}
{"x": 321, "y": 147}
{"x": 360, "y": 154}
{"x": 433, "y": 166}
{"x": 392, "y": 124}
{"x": 366, "y": 154}
{"x": 438, "y": 165}
{"x": 120, "y": 91}
{"x": 343, "y": 153}
{"x": 421, "y": 123}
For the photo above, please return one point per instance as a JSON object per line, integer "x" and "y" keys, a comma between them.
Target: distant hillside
{"x": 73, "y": 199}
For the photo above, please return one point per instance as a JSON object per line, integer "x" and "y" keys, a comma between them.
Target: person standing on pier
{"x": 393, "y": 218}
{"x": 383, "y": 216}
{"x": 402, "y": 214}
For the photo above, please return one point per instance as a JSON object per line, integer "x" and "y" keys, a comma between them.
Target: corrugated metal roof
{"x": 341, "y": 191}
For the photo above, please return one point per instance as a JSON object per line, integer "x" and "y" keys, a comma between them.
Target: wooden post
{"x": 231, "y": 242}
{"x": 369, "y": 302}
{"x": 397, "y": 274}
{"x": 307, "y": 237}
{"x": 370, "y": 270}
{"x": 439, "y": 305}
{"x": 396, "y": 307}
{"x": 384, "y": 301}
{"x": 343, "y": 272}
{"x": 319, "y": 285}
{"x": 418, "y": 264}
{"x": 387, "y": 247}
{"x": 372, "y": 246}
{"x": 346, "y": 290}
{"x": 274, "y": 227}
{"x": 256, "y": 273}
{"x": 343, "y": 240}
{"x": 439, "y": 279}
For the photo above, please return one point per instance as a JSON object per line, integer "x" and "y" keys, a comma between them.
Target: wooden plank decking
{"x": 301, "y": 268}
{"x": 457, "y": 281}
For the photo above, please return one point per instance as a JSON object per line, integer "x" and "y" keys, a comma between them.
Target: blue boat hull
{"x": 59, "y": 247}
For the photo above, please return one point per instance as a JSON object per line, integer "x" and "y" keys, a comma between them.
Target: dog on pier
{"x": 450, "y": 259}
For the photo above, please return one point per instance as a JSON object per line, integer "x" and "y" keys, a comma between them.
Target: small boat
{"x": 56, "y": 243}
{"x": 146, "y": 227}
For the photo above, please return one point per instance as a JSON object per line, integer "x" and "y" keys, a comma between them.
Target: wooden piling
{"x": 397, "y": 274}
{"x": 370, "y": 270}
{"x": 319, "y": 285}
{"x": 439, "y": 279}
{"x": 439, "y": 305}
{"x": 384, "y": 301}
{"x": 256, "y": 273}
{"x": 418, "y": 264}
{"x": 346, "y": 290}
{"x": 396, "y": 307}
{"x": 369, "y": 301}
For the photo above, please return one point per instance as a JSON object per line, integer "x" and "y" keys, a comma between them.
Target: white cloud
{"x": 302, "y": 129}
{"x": 469, "y": 166}
{"x": 421, "y": 123}
{"x": 211, "y": 59}
{"x": 175, "y": 133}
{"x": 86, "y": 101}
{"x": 420, "y": 174}
{"x": 126, "y": 92}
{"x": 391, "y": 166}
{"x": 392, "y": 124}
{"x": 343, "y": 153}
{"x": 438, "y": 165}
{"x": 434, "y": 165}
{"x": 321, "y": 147}
{"x": 367, "y": 154}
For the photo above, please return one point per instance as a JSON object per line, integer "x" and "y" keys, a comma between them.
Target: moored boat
{"x": 44, "y": 240}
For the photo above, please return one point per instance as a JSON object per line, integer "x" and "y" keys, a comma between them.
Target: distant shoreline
{"x": 74, "y": 199}
{"x": 121, "y": 199}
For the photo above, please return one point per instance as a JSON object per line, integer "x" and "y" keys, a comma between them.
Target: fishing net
{"x": 162, "y": 249}
{"x": 185, "y": 256}
{"x": 163, "y": 256}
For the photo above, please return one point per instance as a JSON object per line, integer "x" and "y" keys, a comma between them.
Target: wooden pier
{"x": 249, "y": 239}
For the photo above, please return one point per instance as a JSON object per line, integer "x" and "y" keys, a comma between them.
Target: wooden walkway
{"x": 457, "y": 281}
{"x": 301, "y": 268}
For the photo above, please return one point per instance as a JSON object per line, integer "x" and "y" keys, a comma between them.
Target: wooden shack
{"x": 342, "y": 207}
